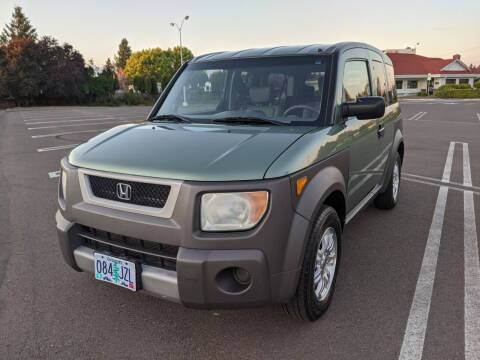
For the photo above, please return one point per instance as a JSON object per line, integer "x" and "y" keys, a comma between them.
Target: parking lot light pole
{"x": 179, "y": 27}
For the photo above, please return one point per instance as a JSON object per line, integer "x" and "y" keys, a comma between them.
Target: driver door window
{"x": 355, "y": 80}
{"x": 363, "y": 175}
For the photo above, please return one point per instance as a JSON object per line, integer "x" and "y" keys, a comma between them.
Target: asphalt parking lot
{"x": 409, "y": 284}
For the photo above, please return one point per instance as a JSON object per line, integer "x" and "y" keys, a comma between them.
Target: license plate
{"x": 115, "y": 271}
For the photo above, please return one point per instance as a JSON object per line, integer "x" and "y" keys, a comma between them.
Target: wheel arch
{"x": 326, "y": 185}
{"x": 401, "y": 150}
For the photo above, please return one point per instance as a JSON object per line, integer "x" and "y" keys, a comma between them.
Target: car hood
{"x": 201, "y": 152}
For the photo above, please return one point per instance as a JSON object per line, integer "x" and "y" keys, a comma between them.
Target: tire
{"x": 308, "y": 305}
{"x": 389, "y": 198}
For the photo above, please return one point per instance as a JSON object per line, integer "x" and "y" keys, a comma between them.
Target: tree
{"x": 100, "y": 87}
{"x": 22, "y": 73}
{"x": 109, "y": 66}
{"x": 124, "y": 52}
{"x": 63, "y": 73}
{"x": 157, "y": 63}
{"x": 41, "y": 72}
{"x": 174, "y": 54}
{"x": 19, "y": 28}
{"x": 3, "y": 74}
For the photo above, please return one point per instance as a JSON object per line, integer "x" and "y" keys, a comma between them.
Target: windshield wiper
{"x": 247, "y": 120}
{"x": 170, "y": 117}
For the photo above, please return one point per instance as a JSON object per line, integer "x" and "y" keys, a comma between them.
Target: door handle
{"x": 381, "y": 130}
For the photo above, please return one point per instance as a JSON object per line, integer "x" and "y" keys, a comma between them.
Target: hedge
{"x": 447, "y": 92}
{"x": 131, "y": 98}
{"x": 455, "y": 86}
{"x": 476, "y": 84}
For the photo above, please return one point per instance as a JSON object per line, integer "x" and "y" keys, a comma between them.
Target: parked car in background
{"x": 236, "y": 189}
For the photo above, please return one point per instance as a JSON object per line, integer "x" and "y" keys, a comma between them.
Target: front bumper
{"x": 195, "y": 282}
{"x": 203, "y": 275}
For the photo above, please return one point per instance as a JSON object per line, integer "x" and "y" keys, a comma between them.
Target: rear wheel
{"x": 389, "y": 198}
{"x": 319, "y": 269}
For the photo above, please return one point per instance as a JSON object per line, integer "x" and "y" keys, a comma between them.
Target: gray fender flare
{"x": 323, "y": 179}
{"x": 398, "y": 139}
{"x": 326, "y": 181}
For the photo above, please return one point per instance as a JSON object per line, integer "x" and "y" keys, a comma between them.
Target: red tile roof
{"x": 412, "y": 64}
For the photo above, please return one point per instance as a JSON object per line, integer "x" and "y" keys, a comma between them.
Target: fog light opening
{"x": 234, "y": 280}
{"x": 242, "y": 276}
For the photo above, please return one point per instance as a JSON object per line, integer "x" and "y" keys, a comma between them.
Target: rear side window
{"x": 392, "y": 85}
{"x": 379, "y": 80}
{"x": 355, "y": 80}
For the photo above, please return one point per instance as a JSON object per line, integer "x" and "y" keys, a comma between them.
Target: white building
{"x": 414, "y": 72}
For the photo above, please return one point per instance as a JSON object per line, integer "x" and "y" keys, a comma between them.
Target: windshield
{"x": 286, "y": 90}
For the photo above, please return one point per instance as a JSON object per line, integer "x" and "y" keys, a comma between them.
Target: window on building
{"x": 412, "y": 84}
{"x": 463, "y": 81}
{"x": 399, "y": 84}
{"x": 355, "y": 80}
{"x": 450, "y": 81}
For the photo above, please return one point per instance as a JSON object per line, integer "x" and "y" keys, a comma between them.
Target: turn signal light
{"x": 301, "y": 185}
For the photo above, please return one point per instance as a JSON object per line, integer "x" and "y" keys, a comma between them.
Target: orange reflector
{"x": 301, "y": 184}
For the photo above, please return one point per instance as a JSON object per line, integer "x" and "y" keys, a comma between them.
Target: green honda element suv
{"x": 235, "y": 190}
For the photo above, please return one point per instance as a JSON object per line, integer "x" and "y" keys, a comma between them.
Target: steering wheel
{"x": 294, "y": 107}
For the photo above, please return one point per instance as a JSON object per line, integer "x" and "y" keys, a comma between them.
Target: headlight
{"x": 64, "y": 184}
{"x": 232, "y": 211}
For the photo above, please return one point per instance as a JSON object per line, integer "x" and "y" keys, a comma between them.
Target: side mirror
{"x": 369, "y": 107}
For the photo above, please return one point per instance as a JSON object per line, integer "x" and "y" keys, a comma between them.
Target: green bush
{"x": 455, "y": 86}
{"x": 422, "y": 93}
{"x": 131, "y": 98}
{"x": 453, "y": 93}
{"x": 476, "y": 84}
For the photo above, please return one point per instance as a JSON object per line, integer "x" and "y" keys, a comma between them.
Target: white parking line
{"x": 67, "y": 133}
{"x": 447, "y": 171}
{"x": 418, "y": 115}
{"x": 472, "y": 267}
{"x": 59, "y": 116}
{"x": 67, "y": 121}
{"x": 449, "y": 123}
{"x": 478, "y": 115}
{"x": 414, "y": 116}
{"x": 54, "y": 174}
{"x": 82, "y": 124}
{"x": 430, "y": 179}
{"x": 414, "y": 338}
{"x": 100, "y": 117}
{"x": 467, "y": 174}
{"x": 60, "y": 147}
{"x": 450, "y": 187}
{"x": 421, "y": 115}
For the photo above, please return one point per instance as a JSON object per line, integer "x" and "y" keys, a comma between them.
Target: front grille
{"x": 144, "y": 194}
{"x": 148, "y": 252}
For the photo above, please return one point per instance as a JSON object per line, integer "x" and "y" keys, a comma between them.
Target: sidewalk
{"x": 431, "y": 98}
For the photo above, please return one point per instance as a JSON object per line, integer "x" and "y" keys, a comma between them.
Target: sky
{"x": 95, "y": 28}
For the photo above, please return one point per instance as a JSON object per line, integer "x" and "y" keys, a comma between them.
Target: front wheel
{"x": 319, "y": 269}
{"x": 389, "y": 198}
